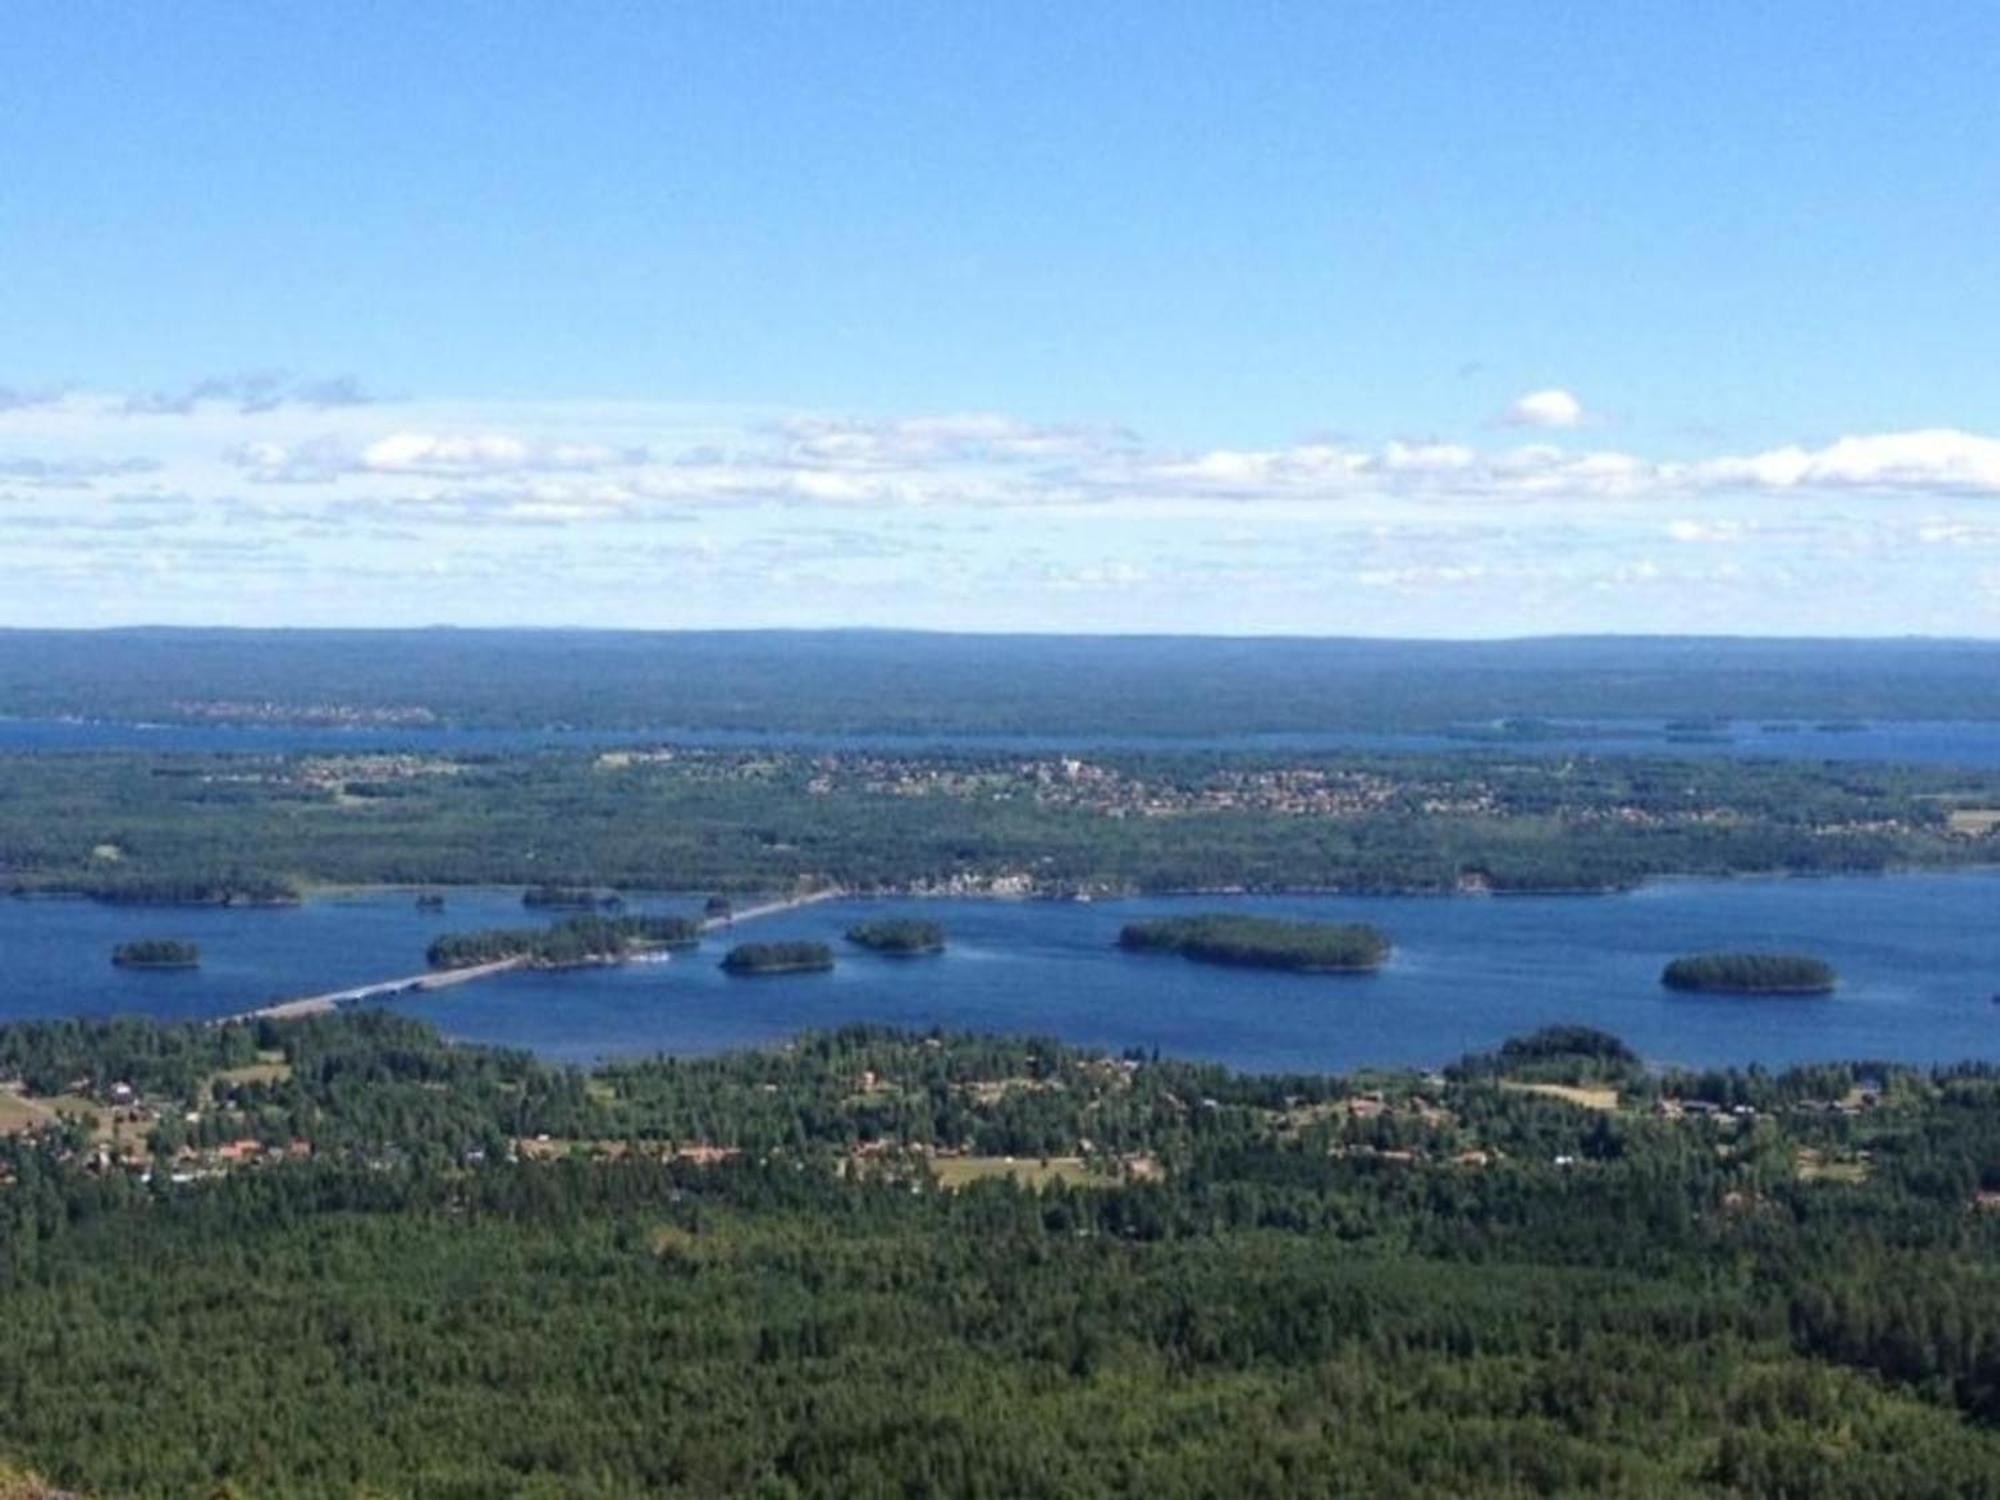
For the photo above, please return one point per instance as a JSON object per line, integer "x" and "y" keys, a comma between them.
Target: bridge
{"x": 438, "y": 979}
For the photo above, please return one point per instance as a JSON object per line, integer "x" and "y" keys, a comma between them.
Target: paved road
{"x": 437, "y": 979}
{"x": 430, "y": 979}
{"x": 773, "y": 908}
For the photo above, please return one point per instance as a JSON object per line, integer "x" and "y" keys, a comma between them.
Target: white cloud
{"x": 483, "y": 453}
{"x": 1695, "y": 532}
{"x": 1331, "y": 471}
{"x": 961, "y": 437}
{"x": 1933, "y": 460}
{"x": 447, "y": 455}
{"x": 1421, "y": 578}
{"x": 1550, "y": 408}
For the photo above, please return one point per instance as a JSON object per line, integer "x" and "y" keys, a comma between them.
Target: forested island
{"x": 1117, "y": 1275}
{"x": 567, "y": 898}
{"x": 569, "y": 943}
{"x": 898, "y": 937}
{"x": 157, "y": 953}
{"x": 1262, "y": 942}
{"x": 749, "y": 959}
{"x": 1751, "y": 974}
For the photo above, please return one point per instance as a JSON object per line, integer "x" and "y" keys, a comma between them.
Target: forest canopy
{"x": 1262, "y": 942}
{"x": 157, "y": 953}
{"x": 898, "y": 936}
{"x": 1751, "y": 974}
{"x": 438, "y": 1268}
{"x": 778, "y": 958}
{"x": 574, "y": 940}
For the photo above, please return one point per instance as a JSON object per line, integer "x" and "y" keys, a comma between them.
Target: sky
{"x": 1433, "y": 319}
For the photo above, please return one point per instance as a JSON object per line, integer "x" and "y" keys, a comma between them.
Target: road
{"x": 773, "y": 908}
{"x": 437, "y": 979}
{"x": 430, "y": 979}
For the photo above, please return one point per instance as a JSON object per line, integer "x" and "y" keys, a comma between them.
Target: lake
{"x": 1919, "y": 957}
{"x": 1971, "y": 743}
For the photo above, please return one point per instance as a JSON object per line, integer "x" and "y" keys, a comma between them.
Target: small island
{"x": 571, "y": 943}
{"x": 566, "y": 898}
{"x": 430, "y": 901}
{"x": 898, "y": 937}
{"x": 748, "y": 959}
{"x": 156, "y": 953}
{"x": 1262, "y": 943}
{"x": 1750, "y": 974}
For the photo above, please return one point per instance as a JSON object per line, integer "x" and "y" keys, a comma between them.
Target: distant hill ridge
{"x": 893, "y": 681}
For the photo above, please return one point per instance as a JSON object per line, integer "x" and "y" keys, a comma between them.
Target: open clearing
{"x": 1813, "y": 1166}
{"x": 1598, "y": 1098}
{"x": 270, "y": 1067}
{"x": 18, "y": 1114}
{"x": 955, "y": 1172}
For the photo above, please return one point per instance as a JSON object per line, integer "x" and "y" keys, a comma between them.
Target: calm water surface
{"x": 1925, "y": 743}
{"x": 1919, "y": 956}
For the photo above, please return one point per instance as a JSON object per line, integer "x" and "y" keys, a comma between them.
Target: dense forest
{"x": 348, "y": 1258}
{"x": 1751, "y": 974}
{"x": 888, "y": 681}
{"x": 173, "y": 828}
{"x": 1262, "y": 942}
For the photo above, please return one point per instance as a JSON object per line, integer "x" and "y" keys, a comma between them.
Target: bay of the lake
{"x": 1918, "y": 954}
{"x": 1969, "y": 743}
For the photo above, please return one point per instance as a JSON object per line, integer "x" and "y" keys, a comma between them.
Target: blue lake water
{"x": 1928, "y": 743}
{"x": 1919, "y": 956}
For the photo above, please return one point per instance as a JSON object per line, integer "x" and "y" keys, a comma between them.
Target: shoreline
{"x": 310, "y": 891}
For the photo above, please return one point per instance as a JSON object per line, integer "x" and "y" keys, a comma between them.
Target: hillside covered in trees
{"x": 372, "y": 1262}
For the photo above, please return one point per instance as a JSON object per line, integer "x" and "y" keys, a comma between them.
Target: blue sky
{"x": 1431, "y": 319}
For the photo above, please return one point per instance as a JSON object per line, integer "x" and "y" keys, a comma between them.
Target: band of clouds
{"x": 882, "y": 466}
{"x": 343, "y": 454}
